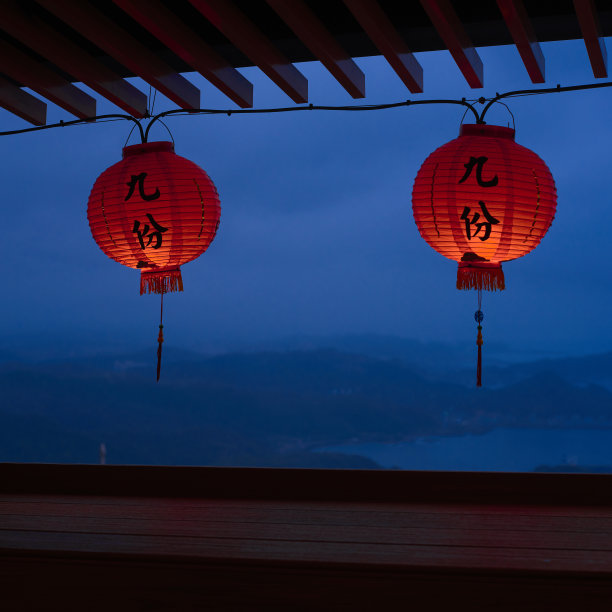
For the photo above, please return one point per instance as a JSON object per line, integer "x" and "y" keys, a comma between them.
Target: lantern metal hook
{"x": 489, "y": 104}
{"x": 168, "y": 130}
{"x": 463, "y": 117}
{"x": 153, "y": 120}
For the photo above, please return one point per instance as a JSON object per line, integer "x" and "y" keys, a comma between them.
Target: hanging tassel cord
{"x": 160, "y": 337}
{"x": 479, "y": 316}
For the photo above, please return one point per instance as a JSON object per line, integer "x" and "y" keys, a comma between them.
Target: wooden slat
{"x": 22, "y": 104}
{"x": 185, "y": 538}
{"x": 34, "y": 33}
{"x": 160, "y": 21}
{"x": 521, "y": 30}
{"x": 438, "y": 556}
{"x": 122, "y": 46}
{"x": 227, "y": 512}
{"x": 591, "y": 32}
{"x": 389, "y": 42}
{"x": 309, "y": 29}
{"x": 229, "y": 20}
{"x": 342, "y": 526}
{"x": 44, "y": 81}
{"x": 454, "y": 36}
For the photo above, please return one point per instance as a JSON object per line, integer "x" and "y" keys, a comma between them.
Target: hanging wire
{"x": 128, "y": 138}
{"x": 153, "y": 103}
{"x": 309, "y": 107}
{"x": 534, "y": 92}
{"x": 168, "y": 129}
{"x": 511, "y": 113}
{"x": 468, "y": 104}
{"x": 97, "y": 119}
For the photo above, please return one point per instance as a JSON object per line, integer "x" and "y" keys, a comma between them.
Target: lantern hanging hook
{"x": 153, "y": 120}
{"x": 463, "y": 117}
{"x": 168, "y": 130}
{"x": 488, "y": 106}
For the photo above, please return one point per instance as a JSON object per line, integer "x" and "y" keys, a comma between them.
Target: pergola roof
{"x": 48, "y": 45}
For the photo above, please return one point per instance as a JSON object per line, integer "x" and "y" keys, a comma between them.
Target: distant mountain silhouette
{"x": 590, "y": 369}
{"x": 269, "y": 408}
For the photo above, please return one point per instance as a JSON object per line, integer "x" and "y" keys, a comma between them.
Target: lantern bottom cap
{"x": 168, "y": 280}
{"x": 480, "y": 275}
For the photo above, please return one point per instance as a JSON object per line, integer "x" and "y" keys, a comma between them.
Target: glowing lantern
{"x": 154, "y": 211}
{"x": 480, "y": 200}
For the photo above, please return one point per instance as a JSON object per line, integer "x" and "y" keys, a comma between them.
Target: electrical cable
{"x": 97, "y": 119}
{"x": 468, "y": 104}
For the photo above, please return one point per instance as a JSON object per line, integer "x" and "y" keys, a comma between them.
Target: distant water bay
{"x": 500, "y": 450}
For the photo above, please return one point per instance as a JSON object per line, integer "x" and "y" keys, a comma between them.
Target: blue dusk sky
{"x": 317, "y": 235}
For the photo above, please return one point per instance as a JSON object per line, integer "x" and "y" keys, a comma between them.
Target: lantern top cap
{"x": 482, "y": 129}
{"x": 148, "y": 147}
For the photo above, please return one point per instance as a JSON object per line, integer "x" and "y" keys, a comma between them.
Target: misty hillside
{"x": 269, "y": 408}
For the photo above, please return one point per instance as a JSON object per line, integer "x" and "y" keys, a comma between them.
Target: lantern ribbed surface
{"x": 483, "y": 199}
{"x": 154, "y": 211}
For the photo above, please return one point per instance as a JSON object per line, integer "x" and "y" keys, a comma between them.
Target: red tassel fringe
{"x": 161, "y": 281}
{"x": 489, "y": 277}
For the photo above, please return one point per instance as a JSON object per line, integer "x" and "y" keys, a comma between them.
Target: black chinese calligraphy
{"x": 479, "y": 162}
{"x": 146, "y": 232}
{"x": 490, "y": 221}
{"x": 139, "y": 179}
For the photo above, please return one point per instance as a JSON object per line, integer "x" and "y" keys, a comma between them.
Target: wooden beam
{"x": 127, "y": 50}
{"x": 309, "y": 29}
{"x": 455, "y": 37}
{"x": 389, "y": 42}
{"x": 229, "y": 20}
{"x": 22, "y": 104}
{"x": 521, "y": 30}
{"x": 34, "y": 33}
{"x": 190, "y": 47}
{"x": 591, "y": 32}
{"x": 49, "y": 84}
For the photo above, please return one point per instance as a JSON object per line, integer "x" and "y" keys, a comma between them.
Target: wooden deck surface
{"x": 96, "y": 537}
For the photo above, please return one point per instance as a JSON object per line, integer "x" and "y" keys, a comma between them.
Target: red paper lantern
{"x": 480, "y": 200}
{"x": 154, "y": 211}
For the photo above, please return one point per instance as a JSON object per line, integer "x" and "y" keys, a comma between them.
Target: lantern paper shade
{"x": 154, "y": 211}
{"x": 482, "y": 199}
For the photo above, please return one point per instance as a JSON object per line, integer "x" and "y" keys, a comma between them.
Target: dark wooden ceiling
{"x": 48, "y": 45}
